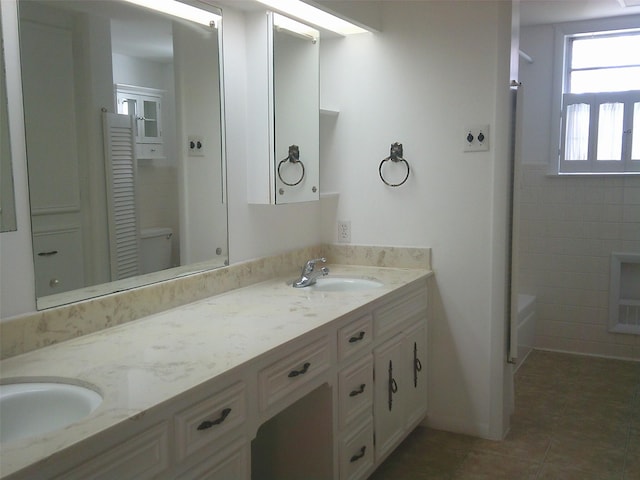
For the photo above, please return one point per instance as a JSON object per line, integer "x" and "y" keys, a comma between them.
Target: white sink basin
{"x": 344, "y": 284}
{"x": 29, "y": 409}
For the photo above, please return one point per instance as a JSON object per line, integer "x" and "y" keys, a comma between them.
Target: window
{"x": 601, "y": 103}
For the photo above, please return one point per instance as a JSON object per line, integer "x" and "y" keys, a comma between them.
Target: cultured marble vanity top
{"x": 141, "y": 364}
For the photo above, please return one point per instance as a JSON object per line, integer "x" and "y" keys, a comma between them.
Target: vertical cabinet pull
{"x": 357, "y": 392}
{"x": 393, "y": 386}
{"x": 358, "y": 455}
{"x": 417, "y": 364}
{"x": 357, "y": 338}
{"x": 210, "y": 423}
{"x": 295, "y": 373}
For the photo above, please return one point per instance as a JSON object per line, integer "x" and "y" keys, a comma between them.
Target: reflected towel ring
{"x": 293, "y": 157}
{"x": 395, "y": 155}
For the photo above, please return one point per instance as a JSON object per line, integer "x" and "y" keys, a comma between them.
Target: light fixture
{"x": 280, "y": 21}
{"x": 181, "y": 10}
{"x": 313, "y": 15}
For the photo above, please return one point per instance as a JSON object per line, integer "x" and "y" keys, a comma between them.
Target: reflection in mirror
{"x": 7, "y": 199}
{"x": 114, "y": 96}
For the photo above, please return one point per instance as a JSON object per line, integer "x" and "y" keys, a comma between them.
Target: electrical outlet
{"x": 344, "y": 231}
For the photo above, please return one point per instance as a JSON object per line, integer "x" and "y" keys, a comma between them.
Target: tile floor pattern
{"x": 576, "y": 418}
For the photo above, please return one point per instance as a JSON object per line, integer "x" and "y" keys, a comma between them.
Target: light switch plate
{"x": 195, "y": 146}
{"x": 476, "y": 138}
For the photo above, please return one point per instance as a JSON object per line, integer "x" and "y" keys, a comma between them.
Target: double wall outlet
{"x": 476, "y": 138}
{"x": 344, "y": 231}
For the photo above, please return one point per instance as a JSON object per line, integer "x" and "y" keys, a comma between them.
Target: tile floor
{"x": 576, "y": 418}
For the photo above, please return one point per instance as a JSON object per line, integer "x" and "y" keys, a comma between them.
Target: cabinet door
{"x": 390, "y": 392}
{"x": 416, "y": 363}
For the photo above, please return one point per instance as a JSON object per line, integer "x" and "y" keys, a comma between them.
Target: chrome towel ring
{"x": 395, "y": 155}
{"x": 293, "y": 157}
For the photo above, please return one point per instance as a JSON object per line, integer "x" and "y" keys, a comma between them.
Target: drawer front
{"x": 143, "y": 456}
{"x": 206, "y": 421}
{"x": 287, "y": 375}
{"x": 355, "y": 390}
{"x": 355, "y": 336}
{"x": 388, "y": 319}
{"x": 150, "y": 150}
{"x": 356, "y": 452}
{"x": 232, "y": 462}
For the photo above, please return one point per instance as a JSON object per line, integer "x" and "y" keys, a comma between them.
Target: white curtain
{"x": 610, "y": 122}
{"x": 577, "y": 132}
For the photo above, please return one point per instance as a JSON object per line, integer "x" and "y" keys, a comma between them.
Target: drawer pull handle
{"x": 47, "y": 254}
{"x": 210, "y": 423}
{"x": 357, "y": 338}
{"x": 295, "y": 373}
{"x": 360, "y": 390}
{"x": 359, "y": 455}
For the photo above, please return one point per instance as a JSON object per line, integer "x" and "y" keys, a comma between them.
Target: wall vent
{"x": 624, "y": 293}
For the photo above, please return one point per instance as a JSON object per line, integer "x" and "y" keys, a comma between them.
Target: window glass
{"x": 606, "y": 51}
{"x": 610, "y": 131}
{"x": 606, "y": 80}
{"x": 577, "y": 132}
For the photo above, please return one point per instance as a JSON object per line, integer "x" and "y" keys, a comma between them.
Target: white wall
{"x": 435, "y": 68}
{"x": 570, "y": 225}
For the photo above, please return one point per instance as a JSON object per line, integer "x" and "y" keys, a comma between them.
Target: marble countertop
{"x": 144, "y": 363}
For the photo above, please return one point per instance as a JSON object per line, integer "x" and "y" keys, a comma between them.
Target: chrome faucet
{"x": 310, "y": 274}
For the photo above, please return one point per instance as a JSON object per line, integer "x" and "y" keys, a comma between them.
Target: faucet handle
{"x": 311, "y": 264}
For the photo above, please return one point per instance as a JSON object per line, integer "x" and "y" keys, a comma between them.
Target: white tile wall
{"x": 568, "y": 228}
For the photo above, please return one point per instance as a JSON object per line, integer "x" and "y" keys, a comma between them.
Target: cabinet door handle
{"x": 295, "y": 373}
{"x": 357, "y": 392}
{"x": 47, "y": 254}
{"x": 358, "y": 455}
{"x": 357, "y": 338}
{"x": 393, "y": 385}
{"x": 210, "y": 423}
{"x": 417, "y": 364}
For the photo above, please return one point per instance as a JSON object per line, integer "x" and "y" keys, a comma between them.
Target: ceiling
{"x": 537, "y": 12}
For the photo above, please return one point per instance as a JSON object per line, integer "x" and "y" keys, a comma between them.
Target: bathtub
{"x": 526, "y": 326}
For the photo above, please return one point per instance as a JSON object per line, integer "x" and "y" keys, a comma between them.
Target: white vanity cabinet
{"x": 331, "y": 402}
{"x": 400, "y": 399}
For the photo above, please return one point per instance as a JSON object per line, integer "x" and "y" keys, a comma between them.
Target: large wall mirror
{"x": 125, "y": 150}
{"x": 7, "y": 199}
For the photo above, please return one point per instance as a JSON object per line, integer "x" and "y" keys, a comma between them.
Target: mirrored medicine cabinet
{"x": 114, "y": 97}
{"x": 284, "y": 92}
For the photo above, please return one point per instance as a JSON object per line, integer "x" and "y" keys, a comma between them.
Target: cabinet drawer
{"x": 150, "y": 150}
{"x": 231, "y": 462}
{"x": 356, "y": 452}
{"x": 206, "y": 421}
{"x": 355, "y": 336}
{"x": 355, "y": 390}
{"x": 388, "y": 318}
{"x": 287, "y": 375}
{"x": 144, "y": 456}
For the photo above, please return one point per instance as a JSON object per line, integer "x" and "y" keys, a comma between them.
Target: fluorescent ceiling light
{"x": 181, "y": 10}
{"x": 313, "y": 15}
{"x": 280, "y": 21}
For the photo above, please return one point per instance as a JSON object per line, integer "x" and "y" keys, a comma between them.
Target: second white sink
{"x": 30, "y": 409}
{"x": 344, "y": 284}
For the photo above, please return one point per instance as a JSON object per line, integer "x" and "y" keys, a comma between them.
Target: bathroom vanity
{"x": 266, "y": 381}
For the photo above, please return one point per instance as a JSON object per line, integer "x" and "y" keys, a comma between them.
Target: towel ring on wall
{"x": 293, "y": 157}
{"x": 395, "y": 155}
